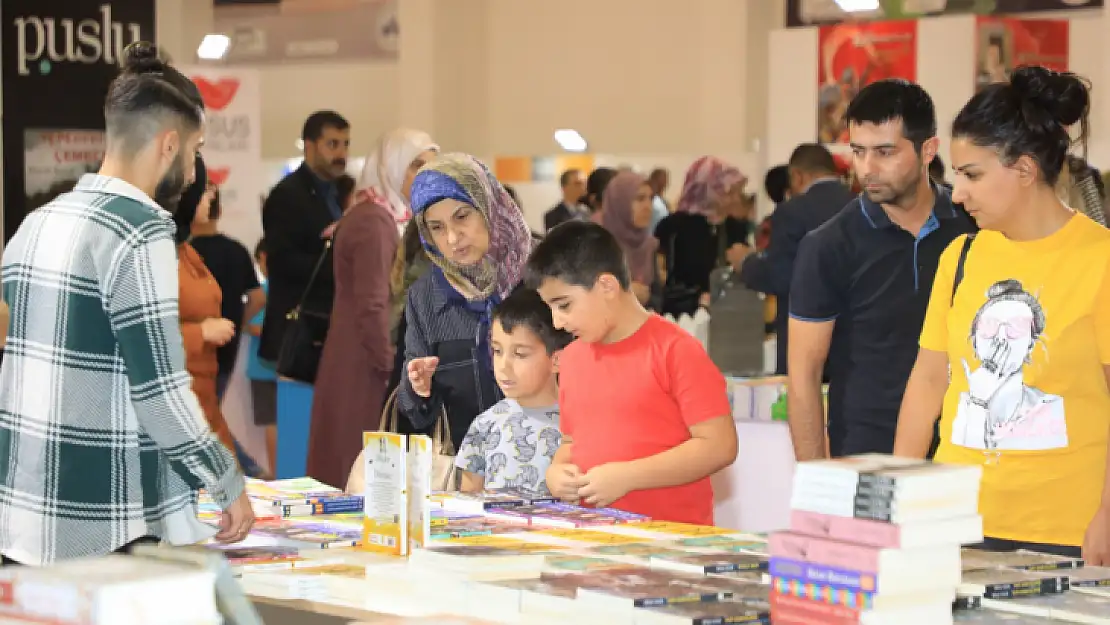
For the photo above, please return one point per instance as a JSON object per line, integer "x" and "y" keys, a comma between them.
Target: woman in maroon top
{"x": 358, "y": 355}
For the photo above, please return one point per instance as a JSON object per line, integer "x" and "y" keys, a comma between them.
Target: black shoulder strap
{"x": 316, "y": 270}
{"x": 960, "y": 265}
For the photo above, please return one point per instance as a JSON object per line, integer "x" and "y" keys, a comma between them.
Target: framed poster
{"x": 852, "y": 56}
{"x": 1005, "y": 43}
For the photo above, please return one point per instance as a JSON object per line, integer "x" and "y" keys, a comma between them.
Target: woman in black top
{"x": 695, "y": 239}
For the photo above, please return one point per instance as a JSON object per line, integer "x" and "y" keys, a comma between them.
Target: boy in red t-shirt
{"x": 645, "y": 414}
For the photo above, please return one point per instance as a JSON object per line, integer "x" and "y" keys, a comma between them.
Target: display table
{"x": 284, "y": 612}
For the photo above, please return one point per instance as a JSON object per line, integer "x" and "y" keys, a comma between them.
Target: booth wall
{"x": 945, "y": 67}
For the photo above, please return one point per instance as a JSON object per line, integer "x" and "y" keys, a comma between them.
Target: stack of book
{"x": 874, "y": 539}
{"x": 303, "y": 496}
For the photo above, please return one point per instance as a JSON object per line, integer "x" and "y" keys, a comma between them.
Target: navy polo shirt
{"x": 874, "y": 279}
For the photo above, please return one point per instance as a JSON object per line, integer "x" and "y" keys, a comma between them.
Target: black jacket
{"x": 771, "y": 271}
{"x": 293, "y": 218}
{"x": 557, "y": 215}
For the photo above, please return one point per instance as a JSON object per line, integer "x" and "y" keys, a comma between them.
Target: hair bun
{"x": 1063, "y": 95}
{"x": 143, "y": 57}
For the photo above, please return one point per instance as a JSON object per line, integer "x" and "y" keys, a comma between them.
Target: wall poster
{"x": 1006, "y": 43}
{"x": 852, "y": 56}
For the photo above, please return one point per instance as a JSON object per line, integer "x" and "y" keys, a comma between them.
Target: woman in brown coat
{"x": 358, "y": 355}
{"x": 199, "y": 298}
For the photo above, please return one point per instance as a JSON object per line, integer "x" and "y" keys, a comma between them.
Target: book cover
{"x": 809, "y": 573}
{"x": 419, "y": 489}
{"x": 655, "y": 588}
{"x": 724, "y": 612}
{"x": 1012, "y": 583}
{"x": 1090, "y": 577}
{"x": 962, "y": 530}
{"x": 573, "y": 563}
{"x": 324, "y": 506}
{"x": 640, "y": 550}
{"x": 238, "y": 555}
{"x": 682, "y": 529}
{"x": 469, "y": 502}
{"x": 295, "y": 491}
{"x": 588, "y": 536}
{"x": 320, "y": 535}
{"x": 386, "y": 524}
{"x": 975, "y": 559}
{"x": 707, "y": 563}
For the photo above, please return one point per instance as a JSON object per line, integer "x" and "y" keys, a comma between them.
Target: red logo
{"x": 218, "y": 176}
{"x": 217, "y": 95}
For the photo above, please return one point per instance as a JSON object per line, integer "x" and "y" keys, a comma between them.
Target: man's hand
{"x": 605, "y": 484}
{"x": 329, "y": 232}
{"x": 420, "y": 372}
{"x": 1096, "y": 544}
{"x": 564, "y": 480}
{"x": 236, "y": 521}
{"x": 217, "y": 331}
{"x": 736, "y": 254}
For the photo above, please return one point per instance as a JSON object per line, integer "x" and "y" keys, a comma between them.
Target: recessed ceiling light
{"x": 213, "y": 47}
{"x": 570, "y": 140}
{"x": 856, "y": 6}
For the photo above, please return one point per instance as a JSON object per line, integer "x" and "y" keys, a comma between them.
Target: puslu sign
{"x": 42, "y": 42}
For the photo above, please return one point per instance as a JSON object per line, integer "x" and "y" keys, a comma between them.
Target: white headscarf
{"x": 384, "y": 171}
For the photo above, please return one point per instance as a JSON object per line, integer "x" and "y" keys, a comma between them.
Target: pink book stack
{"x": 874, "y": 539}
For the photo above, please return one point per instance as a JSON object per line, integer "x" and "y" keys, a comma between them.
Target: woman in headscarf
{"x": 627, "y": 214}
{"x": 358, "y": 354}
{"x": 477, "y": 239}
{"x": 202, "y": 328}
{"x": 697, "y": 237}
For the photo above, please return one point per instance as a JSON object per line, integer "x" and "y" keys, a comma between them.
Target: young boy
{"x": 645, "y": 412}
{"x": 262, "y": 373}
{"x": 512, "y": 443}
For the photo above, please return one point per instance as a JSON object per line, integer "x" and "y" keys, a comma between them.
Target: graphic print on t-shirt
{"x": 511, "y": 446}
{"x": 1001, "y": 411}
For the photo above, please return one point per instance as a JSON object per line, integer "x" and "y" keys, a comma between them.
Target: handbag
{"x": 445, "y": 475}
{"x": 305, "y": 334}
{"x": 677, "y": 295}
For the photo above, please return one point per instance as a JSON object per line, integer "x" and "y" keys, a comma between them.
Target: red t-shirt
{"x": 636, "y": 398}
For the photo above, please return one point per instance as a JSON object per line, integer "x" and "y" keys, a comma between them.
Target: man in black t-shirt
{"x": 233, "y": 268}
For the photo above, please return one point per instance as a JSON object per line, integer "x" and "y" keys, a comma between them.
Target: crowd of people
{"x": 416, "y": 297}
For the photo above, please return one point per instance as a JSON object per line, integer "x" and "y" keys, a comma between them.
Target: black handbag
{"x": 305, "y": 333}
{"x": 676, "y": 295}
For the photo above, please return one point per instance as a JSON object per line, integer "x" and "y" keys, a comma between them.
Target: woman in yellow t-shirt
{"x": 1015, "y": 351}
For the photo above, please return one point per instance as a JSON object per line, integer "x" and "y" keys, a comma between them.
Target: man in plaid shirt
{"x": 102, "y": 442}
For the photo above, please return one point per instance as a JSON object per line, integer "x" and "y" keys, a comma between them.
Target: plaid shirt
{"x": 101, "y": 438}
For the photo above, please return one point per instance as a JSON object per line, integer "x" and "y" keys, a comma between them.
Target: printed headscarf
{"x": 383, "y": 175}
{"x": 707, "y": 180}
{"x": 637, "y": 243}
{"x": 464, "y": 178}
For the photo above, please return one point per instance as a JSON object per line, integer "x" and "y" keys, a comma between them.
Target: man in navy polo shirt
{"x": 862, "y": 280}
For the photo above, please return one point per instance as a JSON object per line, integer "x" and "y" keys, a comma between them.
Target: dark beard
{"x": 168, "y": 192}
{"x": 897, "y": 196}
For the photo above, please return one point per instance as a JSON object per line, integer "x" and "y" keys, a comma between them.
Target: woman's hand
{"x": 1096, "y": 544}
{"x": 420, "y": 372}
{"x": 217, "y": 331}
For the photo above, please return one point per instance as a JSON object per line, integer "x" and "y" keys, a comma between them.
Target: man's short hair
{"x": 148, "y": 95}
{"x": 896, "y": 99}
{"x": 316, "y": 123}
{"x": 813, "y": 158}
{"x": 578, "y": 253}
{"x": 567, "y": 176}
{"x": 936, "y": 169}
{"x": 525, "y": 308}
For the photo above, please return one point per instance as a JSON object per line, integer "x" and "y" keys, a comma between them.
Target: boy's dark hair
{"x": 260, "y": 248}
{"x": 316, "y": 123}
{"x": 147, "y": 96}
{"x": 524, "y": 308}
{"x": 777, "y": 182}
{"x": 345, "y": 188}
{"x": 578, "y": 253}
{"x": 895, "y": 99}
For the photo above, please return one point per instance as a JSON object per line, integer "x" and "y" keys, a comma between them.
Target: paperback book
{"x": 1013, "y": 583}
{"x": 976, "y": 559}
{"x": 386, "y": 524}
{"x": 710, "y": 563}
{"x": 419, "y": 489}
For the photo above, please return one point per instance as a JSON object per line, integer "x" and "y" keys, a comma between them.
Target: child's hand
{"x": 604, "y": 484}
{"x": 564, "y": 480}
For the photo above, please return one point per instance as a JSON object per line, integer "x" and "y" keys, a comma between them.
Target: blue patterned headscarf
{"x": 464, "y": 178}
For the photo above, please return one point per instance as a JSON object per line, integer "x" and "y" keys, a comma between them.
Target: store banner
{"x": 852, "y": 56}
{"x": 233, "y": 146}
{"x": 812, "y": 12}
{"x": 308, "y": 31}
{"x": 1006, "y": 43}
{"x": 59, "y": 56}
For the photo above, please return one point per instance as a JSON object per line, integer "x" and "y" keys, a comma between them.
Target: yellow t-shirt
{"x": 1031, "y": 324}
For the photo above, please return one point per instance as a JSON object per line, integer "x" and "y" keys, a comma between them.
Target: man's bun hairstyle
{"x": 148, "y": 94}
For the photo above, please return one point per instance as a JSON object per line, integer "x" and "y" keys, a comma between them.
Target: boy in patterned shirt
{"x": 512, "y": 444}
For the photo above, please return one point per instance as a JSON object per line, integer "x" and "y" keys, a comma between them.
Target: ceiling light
{"x": 857, "y": 6}
{"x": 570, "y": 140}
{"x": 213, "y": 47}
